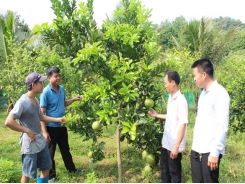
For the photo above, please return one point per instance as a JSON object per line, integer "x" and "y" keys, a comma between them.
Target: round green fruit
{"x": 149, "y": 103}
{"x": 90, "y": 154}
{"x": 150, "y": 159}
{"x": 137, "y": 105}
{"x": 142, "y": 121}
{"x": 144, "y": 154}
{"x": 96, "y": 126}
{"x": 147, "y": 168}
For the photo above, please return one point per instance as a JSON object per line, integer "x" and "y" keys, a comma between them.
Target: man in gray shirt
{"x": 34, "y": 151}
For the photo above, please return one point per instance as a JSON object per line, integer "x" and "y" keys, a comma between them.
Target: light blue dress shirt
{"x": 212, "y": 119}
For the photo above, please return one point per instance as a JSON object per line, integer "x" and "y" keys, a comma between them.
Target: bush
{"x": 91, "y": 178}
{"x": 231, "y": 75}
{"x": 10, "y": 172}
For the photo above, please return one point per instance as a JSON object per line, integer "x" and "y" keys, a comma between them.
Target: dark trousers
{"x": 200, "y": 171}
{"x": 59, "y": 136}
{"x": 170, "y": 168}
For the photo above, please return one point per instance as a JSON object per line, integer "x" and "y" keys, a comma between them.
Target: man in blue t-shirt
{"x": 53, "y": 103}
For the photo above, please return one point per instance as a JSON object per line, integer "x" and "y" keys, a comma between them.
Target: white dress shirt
{"x": 212, "y": 121}
{"x": 177, "y": 115}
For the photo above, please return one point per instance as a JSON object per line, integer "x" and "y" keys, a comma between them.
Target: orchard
{"x": 119, "y": 68}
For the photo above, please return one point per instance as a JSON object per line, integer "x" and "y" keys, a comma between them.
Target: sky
{"x": 38, "y": 11}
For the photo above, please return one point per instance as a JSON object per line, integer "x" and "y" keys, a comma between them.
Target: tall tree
{"x": 12, "y": 29}
{"x": 238, "y": 43}
{"x": 226, "y": 23}
{"x": 72, "y": 28}
{"x": 12, "y": 32}
{"x": 7, "y": 31}
{"x": 120, "y": 65}
{"x": 124, "y": 66}
{"x": 167, "y": 30}
{"x": 204, "y": 37}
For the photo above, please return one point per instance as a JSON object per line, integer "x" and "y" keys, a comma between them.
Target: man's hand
{"x": 77, "y": 98}
{"x": 152, "y": 113}
{"x": 32, "y": 135}
{"x": 174, "y": 152}
{"x": 47, "y": 137}
{"x": 213, "y": 162}
{"x": 62, "y": 121}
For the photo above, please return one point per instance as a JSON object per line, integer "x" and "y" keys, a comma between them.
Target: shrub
{"x": 230, "y": 74}
{"x": 10, "y": 172}
{"x": 91, "y": 178}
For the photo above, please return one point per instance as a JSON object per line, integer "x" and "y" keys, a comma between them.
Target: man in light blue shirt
{"x": 53, "y": 103}
{"x": 211, "y": 124}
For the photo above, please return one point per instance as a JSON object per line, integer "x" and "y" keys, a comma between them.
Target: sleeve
{"x": 43, "y": 100}
{"x": 221, "y": 105}
{"x": 183, "y": 111}
{"x": 39, "y": 112}
{"x": 17, "y": 110}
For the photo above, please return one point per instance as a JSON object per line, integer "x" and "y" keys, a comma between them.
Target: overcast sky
{"x": 38, "y": 11}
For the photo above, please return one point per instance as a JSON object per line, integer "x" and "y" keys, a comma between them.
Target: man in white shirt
{"x": 174, "y": 137}
{"x": 211, "y": 124}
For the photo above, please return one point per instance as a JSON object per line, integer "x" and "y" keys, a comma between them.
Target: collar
{"x": 50, "y": 87}
{"x": 174, "y": 96}
{"x": 211, "y": 87}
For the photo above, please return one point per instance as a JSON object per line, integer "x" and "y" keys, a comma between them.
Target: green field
{"x": 231, "y": 169}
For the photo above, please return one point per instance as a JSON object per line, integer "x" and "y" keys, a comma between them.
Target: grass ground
{"x": 231, "y": 169}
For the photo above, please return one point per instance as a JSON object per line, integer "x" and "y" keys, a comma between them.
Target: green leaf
{"x": 132, "y": 135}
{"x": 125, "y": 123}
{"x": 125, "y": 130}
{"x": 123, "y": 91}
{"x": 126, "y": 99}
{"x": 133, "y": 128}
{"x": 101, "y": 113}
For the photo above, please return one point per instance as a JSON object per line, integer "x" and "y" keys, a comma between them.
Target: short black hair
{"x": 173, "y": 75}
{"x": 204, "y": 65}
{"x": 29, "y": 87}
{"x": 51, "y": 70}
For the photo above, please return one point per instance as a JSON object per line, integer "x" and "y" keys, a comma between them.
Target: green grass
{"x": 231, "y": 169}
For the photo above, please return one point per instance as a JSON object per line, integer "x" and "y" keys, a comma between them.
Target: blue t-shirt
{"x": 54, "y": 103}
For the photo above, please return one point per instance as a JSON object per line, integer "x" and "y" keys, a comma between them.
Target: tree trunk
{"x": 10, "y": 105}
{"x": 195, "y": 100}
{"x": 119, "y": 159}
